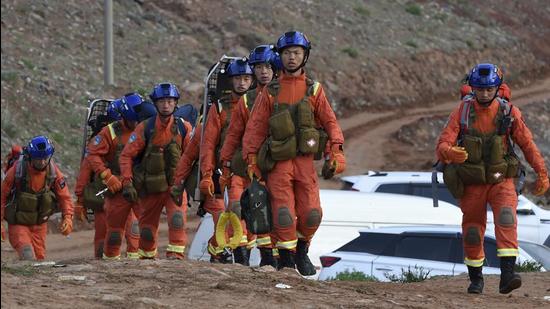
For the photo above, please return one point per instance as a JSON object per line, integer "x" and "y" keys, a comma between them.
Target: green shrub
{"x": 354, "y": 276}
{"x": 417, "y": 274}
{"x": 362, "y": 10}
{"x": 350, "y": 51}
{"x": 411, "y": 43}
{"x": 413, "y": 9}
{"x": 528, "y": 266}
{"x": 23, "y": 270}
{"x": 28, "y": 64}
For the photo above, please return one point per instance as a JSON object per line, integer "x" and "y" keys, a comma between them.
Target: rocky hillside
{"x": 369, "y": 55}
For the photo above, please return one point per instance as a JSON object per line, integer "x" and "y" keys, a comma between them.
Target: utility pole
{"x": 108, "y": 72}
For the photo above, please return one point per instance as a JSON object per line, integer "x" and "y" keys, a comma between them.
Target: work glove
{"x": 542, "y": 184}
{"x": 207, "y": 184}
{"x": 80, "y": 211}
{"x": 129, "y": 193}
{"x": 111, "y": 181}
{"x": 335, "y": 162}
{"x": 66, "y": 226}
{"x": 456, "y": 154}
{"x": 253, "y": 170}
{"x": 225, "y": 178}
{"x": 176, "y": 193}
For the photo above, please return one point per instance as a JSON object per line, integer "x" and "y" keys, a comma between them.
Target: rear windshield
{"x": 373, "y": 243}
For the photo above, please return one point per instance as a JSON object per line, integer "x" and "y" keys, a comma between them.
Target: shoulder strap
{"x": 51, "y": 174}
{"x": 181, "y": 127}
{"x": 20, "y": 174}
{"x": 312, "y": 87}
{"x": 149, "y": 128}
{"x": 114, "y": 129}
{"x": 464, "y": 118}
{"x": 273, "y": 87}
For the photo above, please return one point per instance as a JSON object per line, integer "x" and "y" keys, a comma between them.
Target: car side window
{"x": 426, "y": 248}
{"x": 398, "y": 188}
{"x": 425, "y": 190}
{"x": 373, "y": 243}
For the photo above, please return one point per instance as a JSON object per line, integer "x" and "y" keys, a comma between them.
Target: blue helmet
{"x": 164, "y": 90}
{"x": 485, "y": 75}
{"x": 131, "y": 106}
{"x": 40, "y": 147}
{"x": 239, "y": 67}
{"x": 113, "y": 110}
{"x": 293, "y": 38}
{"x": 265, "y": 54}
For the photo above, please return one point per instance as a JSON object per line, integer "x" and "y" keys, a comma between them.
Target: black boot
{"x": 303, "y": 263}
{"x": 509, "y": 280}
{"x": 476, "y": 280}
{"x": 223, "y": 258}
{"x": 286, "y": 259}
{"x": 241, "y": 256}
{"x": 267, "y": 257}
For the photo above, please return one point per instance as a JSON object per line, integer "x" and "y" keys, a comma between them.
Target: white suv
{"x": 533, "y": 221}
{"x": 387, "y": 252}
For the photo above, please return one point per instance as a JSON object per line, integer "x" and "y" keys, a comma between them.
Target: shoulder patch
{"x": 97, "y": 140}
{"x": 132, "y": 138}
{"x": 62, "y": 183}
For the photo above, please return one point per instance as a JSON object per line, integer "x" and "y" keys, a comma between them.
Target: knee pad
{"x": 472, "y": 236}
{"x": 284, "y": 219}
{"x": 27, "y": 253}
{"x": 236, "y": 208}
{"x": 313, "y": 218}
{"x": 135, "y": 227}
{"x": 115, "y": 239}
{"x": 506, "y": 217}
{"x": 146, "y": 234}
{"x": 176, "y": 221}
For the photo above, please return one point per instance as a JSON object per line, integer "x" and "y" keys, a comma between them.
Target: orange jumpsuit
{"x": 119, "y": 216}
{"x": 151, "y": 204}
{"x": 30, "y": 240}
{"x": 502, "y": 196}
{"x": 216, "y": 122}
{"x": 292, "y": 184}
{"x": 233, "y": 140}
{"x": 503, "y": 91}
{"x": 212, "y": 205}
{"x": 12, "y": 156}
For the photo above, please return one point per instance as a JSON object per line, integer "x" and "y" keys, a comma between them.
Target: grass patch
{"x": 470, "y": 44}
{"x": 350, "y": 51}
{"x": 417, "y": 274}
{"x": 362, "y": 10}
{"x": 528, "y": 266}
{"x": 354, "y": 276}
{"x": 24, "y": 270}
{"x": 57, "y": 137}
{"x": 28, "y": 64}
{"x": 411, "y": 43}
{"x": 9, "y": 76}
{"x": 413, "y": 9}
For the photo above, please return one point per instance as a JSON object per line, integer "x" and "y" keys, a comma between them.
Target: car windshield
{"x": 539, "y": 252}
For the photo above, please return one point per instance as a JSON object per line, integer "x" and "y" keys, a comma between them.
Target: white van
{"x": 347, "y": 212}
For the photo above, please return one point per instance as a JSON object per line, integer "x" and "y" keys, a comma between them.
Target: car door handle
{"x": 383, "y": 269}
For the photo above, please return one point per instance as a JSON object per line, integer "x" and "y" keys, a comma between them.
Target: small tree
{"x": 417, "y": 274}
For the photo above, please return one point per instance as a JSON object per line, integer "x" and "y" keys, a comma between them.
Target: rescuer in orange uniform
{"x": 33, "y": 189}
{"x": 103, "y": 155}
{"x": 265, "y": 63}
{"x": 477, "y": 144}
{"x": 159, "y": 142}
{"x": 215, "y": 132}
{"x": 299, "y": 118}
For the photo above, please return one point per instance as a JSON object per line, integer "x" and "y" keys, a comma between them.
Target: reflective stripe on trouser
{"x": 289, "y": 245}
{"x": 176, "y": 218}
{"x": 503, "y": 200}
{"x": 100, "y": 226}
{"x": 507, "y": 252}
{"x": 251, "y": 241}
{"x": 175, "y": 249}
{"x": 28, "y": 240}
{"x": 121, "y": 223}
{"x": 132, "y": 255}
{"x": 150, "y": 210}
{"x": 215, "y": 207}
{"x": 147, "y": 254}
{"x": 295, "y": 203}
{"x": 263, "y": 241}
{"x": 111, "y": 258}
{"x": 474, "y": 263}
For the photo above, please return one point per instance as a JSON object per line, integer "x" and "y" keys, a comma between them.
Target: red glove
{"x": 207, "y": 184}
{"x": 225, "y": 178}
{"x": 66, "y": 226}
{"x": 80, "y": 211}
{"x": 253, "y": 170}
{"x": 337, "y": 158}
{"x": 111, "y": 181}
{"x": 542, "y": 184}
